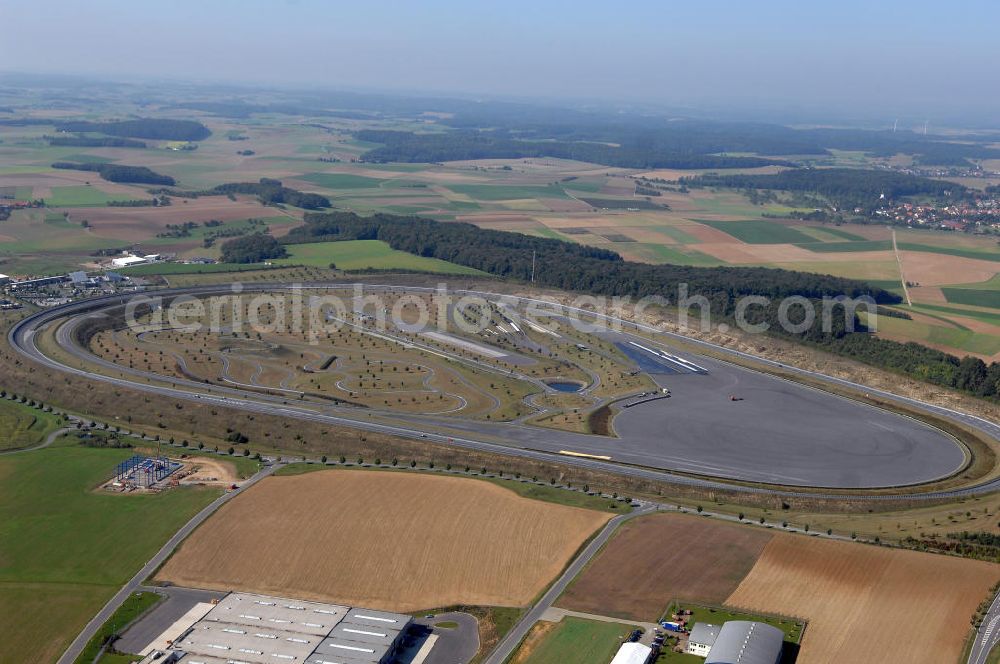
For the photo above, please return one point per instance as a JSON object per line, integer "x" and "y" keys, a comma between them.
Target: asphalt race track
{"x": 771, "y": 431}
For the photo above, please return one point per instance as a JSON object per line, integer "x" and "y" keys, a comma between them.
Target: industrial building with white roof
{"x": 245, "y": 628}
{"x": 746, "y": 642}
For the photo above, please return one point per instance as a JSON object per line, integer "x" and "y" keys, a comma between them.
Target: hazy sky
{"x": 910, "y": 58}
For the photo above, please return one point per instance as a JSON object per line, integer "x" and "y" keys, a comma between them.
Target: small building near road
{"x": 746, "y": 642}
{"x": 632, "y": 653}
{"x": 702, "y": 638}
{"x": 38, "y": 283}
{"x": 128, "y": 261}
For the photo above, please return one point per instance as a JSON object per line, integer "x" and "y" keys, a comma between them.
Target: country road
{"x": 513, "y": 638}
{"x": 51, "y": 438}
{"x": 987, "y": 636}
{"x": 135, "y": 583}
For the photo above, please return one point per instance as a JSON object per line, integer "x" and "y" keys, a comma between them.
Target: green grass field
{"x": 975, "y": 298}
{"x": 960, "y": 338}
{"x": 366, "y": 254}
{"x": 65, "y": 549}
{"x": 498, "y": 192}
{"x": 990, "y": 284}
{"x": 580, "y": 641}
{"x": 342, "y": 181}
{"x": 754, "y": 231}
{"x": 133, "y": 607}
{"x": 22, "y": 426}
{"x": 665, "y": 253}
{"x": 841, "y": 234}
{"x": 81, "y": 196}
{"x": 975, "y": 314}
{"x": 951, "y": 251}
{"x": 836, "y": 247}
{"x": 188, "y": 268}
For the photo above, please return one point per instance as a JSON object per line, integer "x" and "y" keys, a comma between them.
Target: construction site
{"x": 156, "y": 473}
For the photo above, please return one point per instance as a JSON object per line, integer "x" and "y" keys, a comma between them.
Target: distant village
{"x": 980, "y": 216}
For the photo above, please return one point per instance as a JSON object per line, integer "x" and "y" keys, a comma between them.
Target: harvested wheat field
{"x": 868, "y": 604}
{"x": 652, "y": 560}
{"x": 395, "y": 541}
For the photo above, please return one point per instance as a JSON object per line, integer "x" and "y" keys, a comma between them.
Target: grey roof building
{"x": 261, "y": 629}
{"x": 746, "y": 642}
{"x": 702, "y": 638}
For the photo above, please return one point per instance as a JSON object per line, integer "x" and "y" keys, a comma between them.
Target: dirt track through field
{"x": 395, "y": 541}
{"x": 868, "y": 604}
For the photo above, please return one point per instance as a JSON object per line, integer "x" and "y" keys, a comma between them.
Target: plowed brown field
{"x": 868, "y": 604}
{"x": 396, "y": 541}
{"x": 654, "y": 559}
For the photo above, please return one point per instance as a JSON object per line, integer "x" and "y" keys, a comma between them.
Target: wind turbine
{"x": 894, "y": 123}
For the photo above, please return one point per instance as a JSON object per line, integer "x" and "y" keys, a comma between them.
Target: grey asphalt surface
{"x": 987, "y": 636}
{"x": 177, "y": 601}
{"x": 457, "y": 645}
{"x": 51, "y": 438}
{"x": 844, "y": 458}
{"x": 513, "y": 638}
{"x": 135, "y": 583}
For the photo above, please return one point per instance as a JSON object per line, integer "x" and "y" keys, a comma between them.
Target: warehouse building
{"x": 746, "y": 642}
{"x": 259, "y": 629}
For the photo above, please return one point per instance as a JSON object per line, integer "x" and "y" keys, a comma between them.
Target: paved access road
{"x": 177, "y": 602}
{"x": 51, "y": 438}
{"x": 135, "y": 584}
{"x": 509, "y": 643}
{"x": 988, "y": 635}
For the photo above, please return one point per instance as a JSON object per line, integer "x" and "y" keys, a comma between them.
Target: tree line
{"x": 254, "y": 248}
{"x": 162, "y": 129}
{"x": 119, "y": 172}
{"x": 404, "y": 146}
{"x": 847, "y": 188}
{"x": 94, "y": 142}
{"x": 268, "y": 191}
{"x": 570, "y": 266}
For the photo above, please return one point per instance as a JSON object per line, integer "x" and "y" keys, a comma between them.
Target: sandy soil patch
{"x": 395, "y": 541}
{"x": 653, "y": 560}
{"x": 865, "y": 603}
{"x": 929, "y": 269}
{"x": 565, "y": 205}
{"x": 930, "y": 294}
{"x": 707, "y": 234}
{"x": 209, "y": 471}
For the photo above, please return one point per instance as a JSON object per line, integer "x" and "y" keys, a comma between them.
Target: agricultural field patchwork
{"x": 867, "y": 602}
{"x": 65, "y": 549}
{"x": 569, "y": 200}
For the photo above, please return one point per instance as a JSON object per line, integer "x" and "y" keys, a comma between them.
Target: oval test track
{"x": 21, "y": 337}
